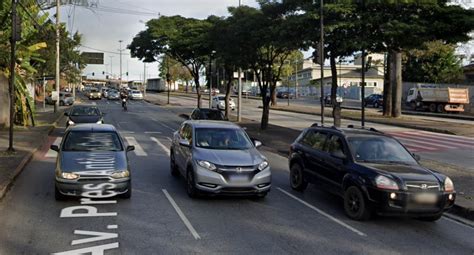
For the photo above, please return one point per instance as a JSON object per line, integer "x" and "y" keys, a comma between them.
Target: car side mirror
{"x": 54, "y": 147}
{"x": 130, "y": 148}
{"x": 416, "y": 156}
{"x": 66, "y": 114}
{"x": 257, "y": 143}
{"x": 184, "y": 142}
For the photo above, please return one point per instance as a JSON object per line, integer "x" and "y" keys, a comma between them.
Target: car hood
{"x": 249, "y": 157}
{"x": 93, "y": 163}
{"x": 405, "y": 172}
{"x": 85, "y": 119}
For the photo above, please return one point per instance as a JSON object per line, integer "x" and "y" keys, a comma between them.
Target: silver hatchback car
{"x": 218, "y": 157}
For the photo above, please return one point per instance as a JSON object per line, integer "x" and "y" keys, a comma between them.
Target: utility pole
{"x": 144, "y": 79}
{"x": 362, "y": 94}
{"x": 321, "y": 59}
{"x": 239, "y": 90}
{"x": 111, "y": 70}
{"x": 12, "y": 74}
{"x": 120, "y": 50}
{"x": 296, "y": 79}
{"x": 58, "y": 34}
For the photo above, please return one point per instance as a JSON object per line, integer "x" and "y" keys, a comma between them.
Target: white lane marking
{"x": 112, "y": 226}
{"x": 169, "y": 139}
{"x": 93, "y": 103}
{"x": 168, "y": 127}
{"x": 408, "y": 143}
{"x": 323, "y": 213}
{"x": 417, "y": 141}
{"x": 152, "y": 132}
{"x": 138, "y": 149}
{"x": 446, "y": 135}
{"x": 127, "y": 132}
{"x": 181, "y": 215}
{"x": 51, "y": 153}
{"x": 161, "y": 145}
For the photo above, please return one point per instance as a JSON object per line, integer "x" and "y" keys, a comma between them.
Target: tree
{"x": 177, "y": 72}
{"x": 183, "y": 39}
{"x": 434, "y": 62}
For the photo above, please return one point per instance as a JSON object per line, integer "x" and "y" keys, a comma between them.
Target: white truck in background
{"x": 436, "y": 99}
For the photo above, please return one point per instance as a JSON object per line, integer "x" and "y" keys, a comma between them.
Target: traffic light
{"x": 92, "y": 73}
{"x": 126, "y": 73}
{"x": 107, "y": 77}
{"x": 103, "y": 72}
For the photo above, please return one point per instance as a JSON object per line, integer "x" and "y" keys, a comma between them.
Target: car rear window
{"x": 84, "y": 111}
{"x": 92, "y": 141}
{"x": 314, "y": 139}
{"x": 211, "y": 115}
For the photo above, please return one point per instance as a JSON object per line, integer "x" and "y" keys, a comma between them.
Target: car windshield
{"x": 379, "y": 149}
{"x": 94, "y": 90}
{"x": 92, "y": 141}
{"x": 222, "y": 139}
{"x": 85, "y": 111}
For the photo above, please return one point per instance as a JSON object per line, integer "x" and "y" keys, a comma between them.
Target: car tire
{"x": 356, "y": 206}
{"x": 297, "y": 181}
{"x": 173, "y": 166}
{"x": 431, "y": 218}
{"x": 191, "y": 189}
{"x": 58, "y": 195}
{"x": 376, "y": 105}
{"x": 61, "y": 103}
{"x": 440, "y": 108}
{"x": 128, "y": 194}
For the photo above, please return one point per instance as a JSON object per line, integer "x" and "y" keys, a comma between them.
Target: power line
{"x": 105, "y": 51}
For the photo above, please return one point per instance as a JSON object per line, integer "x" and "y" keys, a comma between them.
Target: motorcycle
{"x": 124, "y": 104}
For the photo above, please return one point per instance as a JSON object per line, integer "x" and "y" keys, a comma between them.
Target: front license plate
{"x": 426, "y": 198}
{"x": 238, "y": 178}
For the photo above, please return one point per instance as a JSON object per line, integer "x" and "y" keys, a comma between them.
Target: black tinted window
{"x": 314, "y": 139}
{"x": 335, "y": 145}
{"x": 92, "y": 141}
{"x": 211, "y": 115}
{"x": 87, "y": 111}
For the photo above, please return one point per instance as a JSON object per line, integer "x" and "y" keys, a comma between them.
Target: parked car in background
{"x": 371, "y": 171}
{"x": 218, "y": 102}
{"x": 375, "y": 100}
{"x": 80, "y": 114}
{"x": 113, "y": 95}
{"x": 206, "y": 114}
{"x": 85, "y": 149}
{"x": 135, "y": 95}
{"x": 95, "y": 94}
{"x": 218, "y": 157}
{"x": 285, "y": 94}
{"x": 327, "y": 99}
{"x": 65, "y": 98}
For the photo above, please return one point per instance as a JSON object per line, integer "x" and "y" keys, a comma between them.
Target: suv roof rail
{"x": 365, "y": 128}
{"x": 315, "y": 124}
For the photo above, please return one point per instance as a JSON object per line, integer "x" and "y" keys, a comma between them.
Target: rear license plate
{"x": 425, "y": 198}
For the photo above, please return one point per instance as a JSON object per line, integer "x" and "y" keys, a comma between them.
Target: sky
{"x": 102, "y": 29}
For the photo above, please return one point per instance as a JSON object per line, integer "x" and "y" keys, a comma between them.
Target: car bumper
{"x": 76, "y": 187}
{"x": 137, "y": 98}
{"x": 95, "y": 97}
{"x": 404, "y": 203}
{"x": 221, "y": 183}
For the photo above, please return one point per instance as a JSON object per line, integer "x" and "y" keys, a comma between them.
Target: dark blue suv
{"x": 373, "y": 172}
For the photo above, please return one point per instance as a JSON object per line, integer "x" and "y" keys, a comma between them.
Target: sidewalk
{"x": 277, "y": 139}
{"x": 26, "y": 141}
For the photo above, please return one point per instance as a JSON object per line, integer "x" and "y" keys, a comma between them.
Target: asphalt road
{"x": 161, "y": 219}
{"x": 429, "y": 145}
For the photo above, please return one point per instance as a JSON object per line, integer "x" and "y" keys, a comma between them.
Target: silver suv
{"x": 218, "y": 157}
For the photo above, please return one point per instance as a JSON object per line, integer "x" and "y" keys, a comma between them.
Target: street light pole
{"x": 296, "y": 79}
{"x": 321, "y": 59}
{"x": 56, "y": 104}
{"x": 111, "y": 70}
{"x": 239, "y": 91}
{"x": 12, "y": 76}
{"x": 120, "y": 50}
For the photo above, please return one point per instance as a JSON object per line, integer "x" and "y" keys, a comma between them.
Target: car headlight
{"x": 206, "y": 164}
{"x": 69, "y": 176}
{"x": 120, "y": 174}
{"x": 70, "y": 122}
{"x": 383, "y": 182}
{"x": 448, "y": 185}
{"x": 263, "y": 165}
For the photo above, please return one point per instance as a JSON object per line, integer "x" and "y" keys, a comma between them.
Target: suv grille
{"x": 421, "y": 186}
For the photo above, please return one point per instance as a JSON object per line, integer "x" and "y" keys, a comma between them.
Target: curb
{"x": 376, "y": 121}
{"x": 465, "y": 213}
{"x": 26, "y": 159}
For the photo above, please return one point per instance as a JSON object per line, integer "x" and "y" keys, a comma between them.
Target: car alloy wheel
{"x": 297, "y": 181}
{"x": 173, "y": 167}
{"x": 355, "y": 204}
{"x": 376, "y": 105}
{"x": 190, "y": 184}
